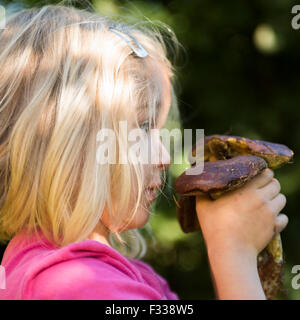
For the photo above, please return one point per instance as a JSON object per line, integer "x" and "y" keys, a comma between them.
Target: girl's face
{"x": 152, "y": 171}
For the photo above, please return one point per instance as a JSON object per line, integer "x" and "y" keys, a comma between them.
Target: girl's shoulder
{"x": 83, "y": 270}
{"x": 154, "y": 279}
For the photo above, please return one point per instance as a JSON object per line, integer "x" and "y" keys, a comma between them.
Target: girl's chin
{"x": 142, "y": 219}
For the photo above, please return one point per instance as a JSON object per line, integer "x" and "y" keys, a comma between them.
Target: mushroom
{"x": 231, "y": 161}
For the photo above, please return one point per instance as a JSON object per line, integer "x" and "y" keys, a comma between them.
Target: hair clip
{"x": 139, "y": 50}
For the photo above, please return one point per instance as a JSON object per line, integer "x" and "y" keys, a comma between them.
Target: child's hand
{"x": 244, "y": 220}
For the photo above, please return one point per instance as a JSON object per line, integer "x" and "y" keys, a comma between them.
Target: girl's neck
{"x": 100, "y": 234}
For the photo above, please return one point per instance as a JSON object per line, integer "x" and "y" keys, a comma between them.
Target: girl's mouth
{"x": 151, "y": 194}
{"x": 150, "y": 191}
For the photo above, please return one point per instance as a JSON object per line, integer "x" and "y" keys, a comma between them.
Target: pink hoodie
{"x": 88, "y": 270}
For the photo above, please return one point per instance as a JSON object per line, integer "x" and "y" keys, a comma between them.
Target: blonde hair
{"x": 64, "y": 76}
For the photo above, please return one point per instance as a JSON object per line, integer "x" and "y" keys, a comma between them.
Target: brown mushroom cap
{"x": 218, "y": 147}
{"x": 230, "y": 162}
{"x": 222, "y": 175}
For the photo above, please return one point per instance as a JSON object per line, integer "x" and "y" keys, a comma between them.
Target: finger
{"x": 277, "y": 204}
{"x": 263, "y": 178}
{"x": 281, "y": 222}
{"x": 271, "y": 190}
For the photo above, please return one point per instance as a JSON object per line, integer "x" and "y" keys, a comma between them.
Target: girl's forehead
{"x": 162, "y": 96}
{"x": 161, "y": 111}
{"x": 166, "y": 100}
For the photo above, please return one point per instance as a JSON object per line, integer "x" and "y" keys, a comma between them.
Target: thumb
{"x": 203, "y": 201}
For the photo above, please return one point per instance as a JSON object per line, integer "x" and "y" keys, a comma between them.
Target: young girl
{"x": 65, "y": 75}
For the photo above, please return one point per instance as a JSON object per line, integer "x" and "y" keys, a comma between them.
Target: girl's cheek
{"x": 159, "y": 152}
{"x": 166, "y": 158}
{"x": 154, "y": 148}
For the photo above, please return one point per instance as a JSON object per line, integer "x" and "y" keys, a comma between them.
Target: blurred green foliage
{"x": 240, "y": 77}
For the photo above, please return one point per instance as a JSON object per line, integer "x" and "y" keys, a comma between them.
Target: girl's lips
{"x": 150, "y": 193}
